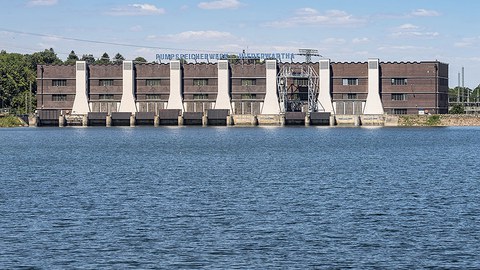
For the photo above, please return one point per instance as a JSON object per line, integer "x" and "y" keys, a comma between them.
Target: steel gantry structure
{"x": 297, "y": 87}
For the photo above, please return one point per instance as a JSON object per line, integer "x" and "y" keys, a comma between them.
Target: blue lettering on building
{"x": 223, "y": 56}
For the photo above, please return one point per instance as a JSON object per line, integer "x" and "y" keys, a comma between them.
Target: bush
{"x": 433, "y": 120}
{"x": 10, "y": 121}
{"x": 457, "y": 109}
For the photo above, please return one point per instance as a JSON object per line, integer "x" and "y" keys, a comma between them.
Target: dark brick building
{"x": 270, "y": 87}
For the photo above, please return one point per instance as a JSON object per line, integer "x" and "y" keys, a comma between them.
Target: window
{"x": 300, "y": 82}
{"x": 152, "y": 96}
{"x": 105, "y": 82}
{"x": 59, "y": 97}
{"x": 59, "y": 82}
{"x": 200, "y": 82}
{"x": 105, "y": 96}
{"x": 249, "y": 96}
{"x": 351, "y": 96}
{"x": 350, "y": 81}
{"x": 247, "y": 82}
{"x": 200, "y": 96}
{"x": 153, "y": 82}
{"x": 399, "y": 81}
{"x": 399, "y": 96}
{"x": 399, "y": 111}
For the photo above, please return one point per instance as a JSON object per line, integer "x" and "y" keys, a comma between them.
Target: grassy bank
{"x": 10, "y": 121}
{"x": 439, "y": 120}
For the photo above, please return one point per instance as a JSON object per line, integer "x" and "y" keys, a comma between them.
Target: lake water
{"x": 230, "y": 198}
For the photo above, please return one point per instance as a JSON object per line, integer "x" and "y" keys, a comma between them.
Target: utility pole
{"x": 30, "y": 99}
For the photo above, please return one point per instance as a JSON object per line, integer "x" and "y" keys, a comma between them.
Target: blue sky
{"x": 342, "y": 30}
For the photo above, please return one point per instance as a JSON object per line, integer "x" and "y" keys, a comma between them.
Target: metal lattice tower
{"x": 288, "y": 101}
{"x": 308, "y": 53}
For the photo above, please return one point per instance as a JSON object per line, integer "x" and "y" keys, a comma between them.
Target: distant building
{"x": 270, "y": 87}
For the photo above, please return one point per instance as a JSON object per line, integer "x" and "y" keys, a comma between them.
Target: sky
{"x": 341, "y": 30}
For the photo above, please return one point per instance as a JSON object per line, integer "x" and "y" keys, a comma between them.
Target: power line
{"x": 101, "y": 42}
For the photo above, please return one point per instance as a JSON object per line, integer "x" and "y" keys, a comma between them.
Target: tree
{"x": 118, "y": 59}
{"x": 16, "y": 76}
{"x": 104, "y": 60}
{"x": 47, "y": 57}
{"x": 233, "y": 59}
{"x": 475, "y": 95}
{"x": 72, "y": 58}
{"x": 457, "y": 109}
{"x": 140, "y": 60}
{"x": 88, "y": 58}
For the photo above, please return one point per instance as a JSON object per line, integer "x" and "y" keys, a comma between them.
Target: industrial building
{"x": 266, "y": 92}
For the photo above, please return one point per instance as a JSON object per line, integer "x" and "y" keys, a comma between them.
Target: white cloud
{"x": 136, "y": 10}
{"x": 42, "y": 3}
{"x": 334, "y": 41}
{"x": 403, "y": 48}
{"x": 136, "y": 28}
{"x": 415, "y": 34}
{"x": 425, "y": 13}
{"x": 466, "y": 42}
{"x": 408, "y": 26}
{"x": 360, "y": 40}
{"x": 410, "y": 30}
{"x": 311, "y": 17}
{"x": 220, "y": 4}
{"x": 194, "y": 36}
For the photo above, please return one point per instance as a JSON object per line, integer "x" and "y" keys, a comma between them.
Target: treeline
{"x": 18, "y": 73}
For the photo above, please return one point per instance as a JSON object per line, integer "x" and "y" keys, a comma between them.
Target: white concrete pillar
{"x": 175, "y": 100}
{"x": 223, "y": 94}
{"x": 373, "y": 105}
{"x": 324, "y": 97}
{"x": 127, "y": 104}
{"x": 270, "y": 103}
{"x": 80, "y": 104}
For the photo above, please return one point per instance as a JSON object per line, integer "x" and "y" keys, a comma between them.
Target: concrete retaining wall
{"x": 270, "y": 120}
{"x": 244, "y": 120}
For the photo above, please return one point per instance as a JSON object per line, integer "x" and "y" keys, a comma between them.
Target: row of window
{"x": 154, "y": 82}
{"x": 354, "y": 81}
{"x": 244, "y": 82}
{"x": 394, "y": 96}
{"x": 63, "y": 97}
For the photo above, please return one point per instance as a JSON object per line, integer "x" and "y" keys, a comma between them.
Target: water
{"x": 230, "y": 198}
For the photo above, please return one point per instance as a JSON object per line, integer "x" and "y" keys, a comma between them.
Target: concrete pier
{"x": 307, "y": 120}
{"x": 156, "y": 121}
{"x": 61, "y": 121}
{"x": 108, "y": 121}
{"x": 132, "y": 120}
{"x": 229, "y": 120}
{"x": 332, "y": 120}
{"x": 84, "y": 121}
{"x": 204, "y": 120}
{"x": 180, "y": 120}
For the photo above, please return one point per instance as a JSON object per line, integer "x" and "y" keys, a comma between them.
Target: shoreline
{"x": 436, "y": 120}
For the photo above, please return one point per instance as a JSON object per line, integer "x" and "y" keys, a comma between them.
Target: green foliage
{"x": 104, "y": 60}
{"x": 18, "y": 73}
{"x": 457, "y": 109}
{"x": 88, "y": 58}
{"x": 72, "y": 58}
{"x": 433, "y": 120}
{"x": 140, "y": 60}
{"x": 118, "y": 59}
{"x": 10, "y": 121}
